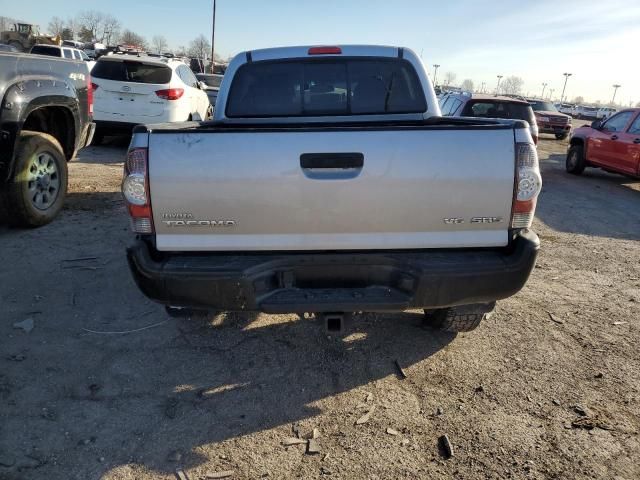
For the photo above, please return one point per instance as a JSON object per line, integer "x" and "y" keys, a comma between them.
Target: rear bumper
{"x": 332, "y": 282}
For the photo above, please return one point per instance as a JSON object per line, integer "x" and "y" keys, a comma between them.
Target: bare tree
{"x": 159, "y": 43}
{"x": 92, "y": 24}
{"x": 72, "y": 25}
{"x": 512, "y": 85}
{"x": 578, "y": 100}
{"x": 131, "y": 38}
{"x": 6, "y": 23}
{"x": 200, "y": 47}
{"x": 449, "y": 78}
{"x": 56, "y": 26}
{"x": 467, "y": 85}
{"x": 638, "y": 105}
{"x": 110, "y": 29}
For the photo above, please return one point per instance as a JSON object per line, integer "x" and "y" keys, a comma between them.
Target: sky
{"x": 537, "y": 40}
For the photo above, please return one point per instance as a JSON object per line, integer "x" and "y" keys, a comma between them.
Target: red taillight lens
{"x": 95, "y": 86}
{"x": 90, "y": 88}
{"x": 135, "y": 189}
{"x": 325, "y": 51}
{"x": 528, "y": 186}
{"x": 170, "y": 93}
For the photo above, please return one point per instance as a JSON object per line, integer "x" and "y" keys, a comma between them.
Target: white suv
{"x": 70, "y": 53}
{"x": 129, "y": 90}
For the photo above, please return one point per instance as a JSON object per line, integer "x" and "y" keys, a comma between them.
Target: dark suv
{"x": 550, "y": 120}
{"x": 464, "y": 104}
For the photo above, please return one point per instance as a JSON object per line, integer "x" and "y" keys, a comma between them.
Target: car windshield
{"x": 298, "y": 88}
{"x": 132, "y": 71}
{"x": 543, "y": 106}
{"x": 211, "y": 80}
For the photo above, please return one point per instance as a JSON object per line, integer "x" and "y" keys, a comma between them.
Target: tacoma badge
{"x": 199, "y": 223}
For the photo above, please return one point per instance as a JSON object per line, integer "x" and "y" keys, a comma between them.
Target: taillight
{"x": 170, "y": 93}
{"x": 325, "y": 51}
{"x": 135, "y": 189}
{"x": 90, "y": 88}
{"x": 528, "y": 185}
{"x": 94, "y": 86}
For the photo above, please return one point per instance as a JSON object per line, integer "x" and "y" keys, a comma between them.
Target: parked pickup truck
{"x": 329, "y": 182}
{"x": 612, "y": 144}
{"x": 45, "y": 118}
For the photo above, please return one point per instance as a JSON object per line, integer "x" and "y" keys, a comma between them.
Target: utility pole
{"x": 482, "y": 87}
{"x": 213, "y": 37}
{"x": 498, "y": 86}
{"x": 551, "y": 90}
{"x": 435, "y": 73}
{"x": 615, "y": 90}
{"x": 544, "y": 85}
{"x": 566, "y": 77}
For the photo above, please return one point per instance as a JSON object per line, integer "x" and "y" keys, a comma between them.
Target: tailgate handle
{"x": 331, "y": 160}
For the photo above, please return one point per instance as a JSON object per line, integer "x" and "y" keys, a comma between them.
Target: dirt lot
{"x": 224, "y": 395}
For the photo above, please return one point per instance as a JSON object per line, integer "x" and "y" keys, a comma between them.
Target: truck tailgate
{"x": 331, "y": 189}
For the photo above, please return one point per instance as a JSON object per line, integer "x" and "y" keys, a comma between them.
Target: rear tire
{"x": 36, "y": 192}
{"x": 575, "y": 163}
{"x": 562, "y": 136}
{"x": 458, "y": 319}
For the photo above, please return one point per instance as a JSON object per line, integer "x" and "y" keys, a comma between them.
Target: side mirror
{"x": 596, "y": 125}
{"x": 202, "y": 85}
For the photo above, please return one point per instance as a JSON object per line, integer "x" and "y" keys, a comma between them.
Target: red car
{"x": 612, "y": 144}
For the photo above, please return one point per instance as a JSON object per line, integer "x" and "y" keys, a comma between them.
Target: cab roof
{"x": 336, "y": 50}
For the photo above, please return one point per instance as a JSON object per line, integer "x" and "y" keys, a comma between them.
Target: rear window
{"x": 45, "y": 50}
{"x": 305, "y": 88}
{"x": 490, "y": 109}
{"x": 131, "y": 71}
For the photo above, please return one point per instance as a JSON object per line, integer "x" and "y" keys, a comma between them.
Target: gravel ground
{"x": 548, "y": 388}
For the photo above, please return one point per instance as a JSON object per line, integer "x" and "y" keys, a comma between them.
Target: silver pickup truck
{"x": 328, "y": 182}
